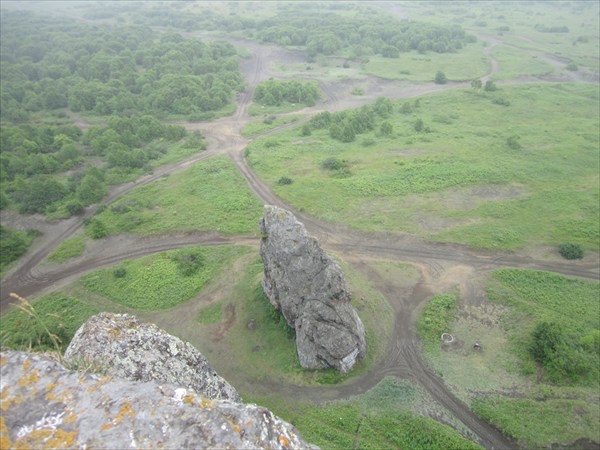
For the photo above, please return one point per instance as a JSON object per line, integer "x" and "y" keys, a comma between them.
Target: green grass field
{"x": 268, "y": 123}
{"x": 209, "y": 196}
{"x": 514, "y": 63}
{"x": 461, "y": 182}
{"x": 502, "y": 382}
{"x": 468, "y": 64}
{"x": 380, "y": 418}
{"x": 163, "y": 280}
{"x": 68, "y": 249}
{"x": 27, "y": 326}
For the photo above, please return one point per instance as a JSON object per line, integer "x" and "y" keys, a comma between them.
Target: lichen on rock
{"x": 139, "y": 351}
{"x": 309, "y": 288}
{"x": 45, "y": 405}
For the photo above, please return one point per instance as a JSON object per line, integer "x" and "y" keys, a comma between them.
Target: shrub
{"x": 490, "y": 86}
{"x": 188, "y": 263}
{"x": 571, "y": 251}
{"x": 284, "y": 180}
{"x": 119, "y": 272}
{"x": 513, "y": 142}
{"x": 440, "y": 77}
{"x": 333, "y": 164}
{"x": 74, "y": 207}
{"x": 306, "y": 130}
{"x": 572, "y": 67}
{"x": 419, "y": 125}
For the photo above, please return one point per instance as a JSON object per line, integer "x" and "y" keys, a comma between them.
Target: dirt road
{"x": 32, "y": 277}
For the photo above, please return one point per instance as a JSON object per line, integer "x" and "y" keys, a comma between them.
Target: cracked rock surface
{"x": 309, "y": 288}
{"x": 45, "y": 405}
{"x": 137, "y": 351}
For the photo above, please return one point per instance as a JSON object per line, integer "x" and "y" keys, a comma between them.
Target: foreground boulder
{"x": 309, "y": 289}
{"x": 45, "y": 405}
{"x": 127, "y": 348}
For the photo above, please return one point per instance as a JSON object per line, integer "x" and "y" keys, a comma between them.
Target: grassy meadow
{"x": 502, "y": 382}
{"x": 163, "y": 280}
{"x": 209, "y": 196}
{"x": 386, "y": 416}
{"x": 498, "y": 170}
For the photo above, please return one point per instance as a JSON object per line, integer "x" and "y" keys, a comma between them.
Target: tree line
{"x": 50, "y": 63}
{"x": 276, "y": 92}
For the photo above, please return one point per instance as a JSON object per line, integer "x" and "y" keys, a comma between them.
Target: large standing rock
{"x": 130, "y": 349}
{"x": 309, "y": 289}
{"x": 45, "y": 405}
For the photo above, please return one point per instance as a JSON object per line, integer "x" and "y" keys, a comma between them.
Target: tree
{"x": 440, "y": 77}
{"x": 490, "y": 86}
{"x": 476, "y": 83}
{"x": 419, "y": 125}
{"x": 386, "y": 129}
{"x": 546, "y": 339}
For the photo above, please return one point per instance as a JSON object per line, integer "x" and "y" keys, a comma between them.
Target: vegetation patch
{"x": 436, "y": 319}
{"x": 556, "y": 164}
{"x": 211, "y": 314}
{"x": 44, "y": 323}
{"x": 13, "y": 244}
{"x": 379, "y": 418}
{"x": 68, "y": 249}
{"x": 164, "y": 280}
{"x": 210, "y": 196}
{"x": 268, "y": 123}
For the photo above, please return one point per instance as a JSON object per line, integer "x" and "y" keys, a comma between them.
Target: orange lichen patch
{"x": 250, "y": 422}
{"x": 5, "y": 441}
{"x": 26, "y": 364}
{"x": 72, "y": 417}
{"x": 3, "y": 360}
{"x": 102, "y": 381}
{"x": 284, "y": 441}
{"x": 125, "y": 411}
{"x": 48, "y": 439}
{"x": 106, "y": 426}
{"x": 28, "y": 379}
{"x": 6, "y": 402}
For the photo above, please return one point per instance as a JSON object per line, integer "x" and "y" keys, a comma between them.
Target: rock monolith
{"x": 309, "y": 288}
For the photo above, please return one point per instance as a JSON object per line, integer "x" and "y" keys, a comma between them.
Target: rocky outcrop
{"x": 309, "y": 289}
{"x": 130, "y": 349}
{"x": 45, "y": 405}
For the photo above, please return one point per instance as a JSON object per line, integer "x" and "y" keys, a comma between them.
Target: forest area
{"x": 445, "y": 154}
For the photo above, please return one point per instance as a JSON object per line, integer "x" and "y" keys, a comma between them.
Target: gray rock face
{"x": 45, "y": 405}
{"x": 130, "y": 349}
{"x": 309, "y": 289}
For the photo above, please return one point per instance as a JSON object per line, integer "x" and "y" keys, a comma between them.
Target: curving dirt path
{"x": 33, "y": 277}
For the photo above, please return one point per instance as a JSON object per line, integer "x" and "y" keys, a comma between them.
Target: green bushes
{"x": 13, "y": 244}
{"x": 275, "y": 92}
{"x": 571, "y": 251}
{"x": 564, "y": 357}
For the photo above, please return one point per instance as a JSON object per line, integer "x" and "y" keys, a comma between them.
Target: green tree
{"x": 440, "y": 77}
{"x": 490, "y": 86}
{"x": 476, "y": 83}
{"x": 571, "y": 251}
{"x": 386, "y": 129}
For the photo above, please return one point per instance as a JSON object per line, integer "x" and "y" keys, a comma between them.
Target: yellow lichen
{"x": 28, "y": 379}
{"x": 189, "y": 399}
{"x": 26, "y": 364}
{"x": 6, "y": 402}
{"x": 106, "y": 426}
{"x": 284, "y": 441}
{"x": 125, "y": 411}
{"x": 3, "y": 360}
{"x": 48, "y": 439}
{"x": 5, "y": 441}
{"x": 72, "y": 417}
{"x": 206, "y": 403}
